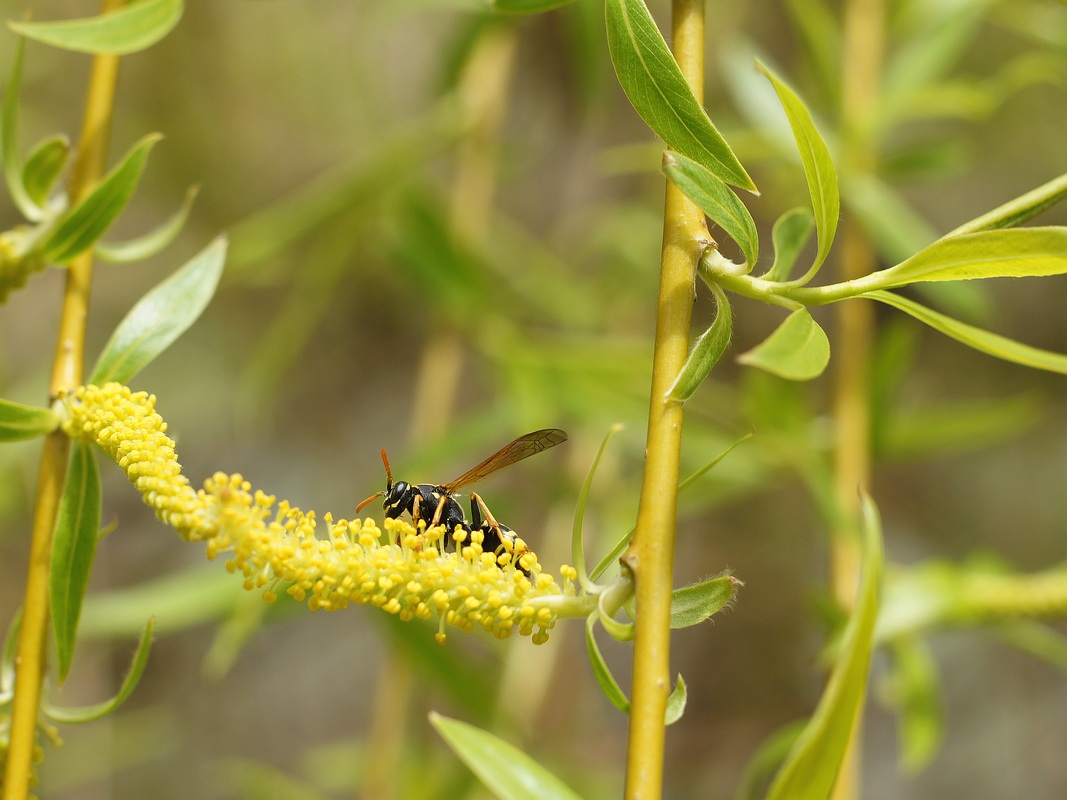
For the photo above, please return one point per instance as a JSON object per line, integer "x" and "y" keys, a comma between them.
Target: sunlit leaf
{"x": 150, "y": 243}
{"x": 790, "y": 234}
{"x": 658, "y": 91}
{"x": 768, "y": 757}
{"x": 82, "y": 225}
{"x": 528, "y": 6}
{"x": 818, "y": 167}
{"x": 43, "y": 167}
{"x": 982, "y": 340}
{"x": 604, "y": 679}
{"x": 508, "y": 772}
{"x": 914, "y": 692}
{"x": 129, "y": 683}
{"x": 707, "y": 350}
{"x": 813, "y": 764}
{"x": 620, "y": 545}
{"x": 693, "y": 604}
{"x": 1019, "y": 210}
{"x": 797, "y": 350}
{"x": 716, "y": 200}
{"x": 161, "y": 316}
{"x": 1010, "y": 253}
{"x": 73, "y": 550}
{"x": 577, "y": 544}
{"x": 9, "y": 153}
{"x": 133, "y": 27}
{"x": 25, "y": 422}
{"x": 676, "y": 702}
{"x": 8, "y": 657}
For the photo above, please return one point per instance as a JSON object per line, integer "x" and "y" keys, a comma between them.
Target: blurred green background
{"x": 329, "y": 139}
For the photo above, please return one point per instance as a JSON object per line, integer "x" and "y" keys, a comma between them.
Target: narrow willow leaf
{"x": 161, "y": 316}
{"x": 129, "y": 683}
{"x": 914, "y": 692}
{"x": 818, "y": 167}
{"x": 73, "y": 550}
{"x": 605, "y": 680}
{"x": 7, "y": 659}
{"x": 1011, "y": 253}
{"x": 506, "y": 771}
{"x": 44, "y": 165}
{"x": 528, "y": 6}
{"x": 133, "y": 27}
{"x": 577, "y": 544}
{"x": 768, "y": 757}
{"x": 9, "y": 152}
{"x": 86, "y": 222}
{"x": 707, "y": 350}
{"x": 812, "y": 766}
{"x": 798, "y": 350}
{"x": 25, "y": 422}
{"x": 152, "y": 242}
{"x": 790, "y": 234}
{"x": 982, "y": 340}
{"x": 1035, "y": 638}
{"x": 1016, "y": 212}
{"x": 658, "y": 91}
{"x": 716, "y": 200}
{"x": 676, "y": 702}
{"x": 693, "y": 604}
{"x": 620, "y": 545}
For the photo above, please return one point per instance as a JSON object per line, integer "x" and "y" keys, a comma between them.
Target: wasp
{"x": 437, "y": 503}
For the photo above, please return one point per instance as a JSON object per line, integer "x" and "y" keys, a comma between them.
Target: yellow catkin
{"x": 277, "y": 546}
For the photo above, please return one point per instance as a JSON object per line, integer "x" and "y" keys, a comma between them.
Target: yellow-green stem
{"x": 67, "y": 369}
{"x": 650, "y": 556}
{"x": 863, "y": 43}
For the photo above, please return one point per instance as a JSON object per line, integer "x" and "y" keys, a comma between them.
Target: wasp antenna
{"x": 370, "y": 499}
{"x": 388, "y": 472}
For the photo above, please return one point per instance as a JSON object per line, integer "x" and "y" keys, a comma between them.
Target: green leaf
{"x": 8, "y": 657}
{"x": 577, "y": 545}
{"x": 790, "y": 234}
{"x": 161, "y": 316}
{"x": 716, "y": 200}
{"x": 605, "y": 680}
{"x": 812, "y": 766}
{"x": 676, "y": 702}
{"x": 508, "y": 772}
{"x": 797, "y": 350}
{"x": 707, "y": 350}
{"x": 9, "y": 145}
{"x": 73, "y": 550}
{"x": 620, "y": 545}
{"x": 658, "y": 91}
{"x": 1017, "y": 211}
{"x": 693, "y": 604}
{"x": 152, "y": 242}
{"x": 133, "y": 27}
{"x": 25, "y": 422}
{"x": 818, "y": 167}
{"x": 528, "y": 6}
{"x": 768, "y": 757}
{"x": 82, "y": 225}
{"x": 1011, "y": 253}
{"x": 914, "y": 693}
{"x": 43, "y": 167}
{"x": 129, "y": 683}
{"x": 982, "y": 340}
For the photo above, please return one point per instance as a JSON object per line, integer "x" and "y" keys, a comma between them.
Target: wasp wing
{"x": 523, "y": 447}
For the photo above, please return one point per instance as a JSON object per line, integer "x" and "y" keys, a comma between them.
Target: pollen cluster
{"x": 277, "y": 547}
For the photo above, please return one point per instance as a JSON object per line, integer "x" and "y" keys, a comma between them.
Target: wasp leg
{"x": 498, "y": 530}
{"x": 440, "y": 510}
